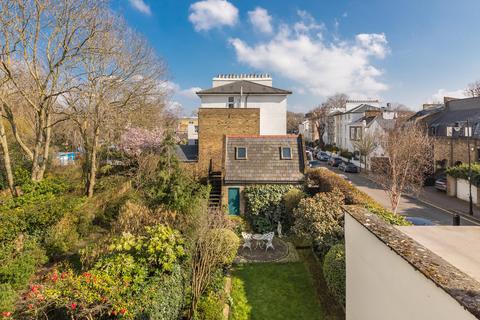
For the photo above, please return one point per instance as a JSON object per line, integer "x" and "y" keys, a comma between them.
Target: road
{"x": 408, "y": 206}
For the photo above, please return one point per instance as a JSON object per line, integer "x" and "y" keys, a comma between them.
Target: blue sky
{"x": 409, "y": 51}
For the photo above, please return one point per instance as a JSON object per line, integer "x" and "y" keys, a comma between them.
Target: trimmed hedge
{"x": 322, "y": 180}
{"x": 461, "y": 172}
{"x": 334, "y": 272}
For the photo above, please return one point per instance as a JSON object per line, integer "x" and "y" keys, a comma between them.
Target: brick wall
{"x": 214, "y": 124}
{"x": 454, "y": 150}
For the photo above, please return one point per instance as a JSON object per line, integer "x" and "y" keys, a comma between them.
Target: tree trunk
{"x": 92, "y": 167}
{"x": 46, "y": 148}
{"x": 6, "y": 156}
{"x": 40, "y": 123}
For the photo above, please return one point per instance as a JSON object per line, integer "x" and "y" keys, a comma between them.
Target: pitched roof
{"x": 244, "y": 86}
{"x": 362, "y": 108}
{"x": 368, "y": 120}
{"x": 187, "y": 153}
{"x": 263, "y": 163}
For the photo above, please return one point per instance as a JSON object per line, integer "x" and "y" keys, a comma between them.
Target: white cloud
{"x": 190, "y": 92}
{"x": 300, "y": 53}
{"x": 441, "y": 93}
{"x": 141, "y": 6}
{"x": 209, "y": 14}
{"x": 261, "y": 20}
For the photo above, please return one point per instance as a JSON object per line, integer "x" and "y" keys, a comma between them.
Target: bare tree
{"x": 42, "y": 42}
{"x": 319, "y": 115}
{"x": 365, "y": 146}
{"x": 293, "y": 120}
{"x": 408, "y": 158}
{"x": 7, "y": 163}
{"x": 473, "y": 89}
{"x": 122, "y": 77}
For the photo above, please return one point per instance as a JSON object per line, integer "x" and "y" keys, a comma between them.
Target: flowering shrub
{"x": 117, "y": 283}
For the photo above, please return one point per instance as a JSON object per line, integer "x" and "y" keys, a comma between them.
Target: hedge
{"x": 461, "y": 172}
{"x": 334, "y": 272}
{"x": 322, "y": 180}
{"x": 265, "y": 206}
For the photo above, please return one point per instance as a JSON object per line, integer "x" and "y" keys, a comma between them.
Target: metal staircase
{"x": 215, "y": 181}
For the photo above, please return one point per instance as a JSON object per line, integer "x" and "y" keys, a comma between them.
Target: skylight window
{"x": 240, "y": 153}
{"x": 286, "y": 153}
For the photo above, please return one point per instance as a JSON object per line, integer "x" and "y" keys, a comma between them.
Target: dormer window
{"x": 231, "y": 102}
{"x": 240, "y": 153}
{"x": 286, "y": 153}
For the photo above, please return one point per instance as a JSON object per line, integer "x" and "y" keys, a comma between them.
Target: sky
{"x": 409, "y": 52}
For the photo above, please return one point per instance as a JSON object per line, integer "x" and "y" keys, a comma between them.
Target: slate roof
{"x": 263, "y": 163}
{"x": 187, "y": 153}
{"x": 359, "y": 122}
{"x": 244, "y": 86}
{"x": 457, "y": 112}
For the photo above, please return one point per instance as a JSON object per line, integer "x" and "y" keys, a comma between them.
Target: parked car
{"x": 345, "y": 178}
{"x": 348, "y": 167}
{"x": 323, "y": 156}
{"x": 334, "y": 161}
{"x": 314, "y": 164}
{"x": 417, "y": 221}
{"x": 441, "y": 183}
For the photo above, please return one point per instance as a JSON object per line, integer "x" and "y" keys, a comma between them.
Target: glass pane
{"x": 241, "y": 153}
{"x": 286, "y": 153}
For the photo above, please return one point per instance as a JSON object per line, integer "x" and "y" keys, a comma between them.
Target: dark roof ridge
{"x": 219, "y": 89}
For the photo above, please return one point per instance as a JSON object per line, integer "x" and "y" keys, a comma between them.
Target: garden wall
{"x": 463, "y": 191}
{"x": 384, "y": 281}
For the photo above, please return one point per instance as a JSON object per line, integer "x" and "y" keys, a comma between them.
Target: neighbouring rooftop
{"x": 243, "y": 87}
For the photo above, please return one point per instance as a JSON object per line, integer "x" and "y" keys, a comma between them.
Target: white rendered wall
{"x": 381, "y": 285}
{"x": 192, "y": 134}
{"x": 273, "y": 109}
{"x": 463, "y": 191}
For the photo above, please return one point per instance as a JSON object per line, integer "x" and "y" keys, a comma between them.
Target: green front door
{"x": 234, "y": 201}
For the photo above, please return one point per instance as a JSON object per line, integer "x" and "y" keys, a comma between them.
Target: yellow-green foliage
{"x": 240, "y": 309}
{"x": 334, "y": 271}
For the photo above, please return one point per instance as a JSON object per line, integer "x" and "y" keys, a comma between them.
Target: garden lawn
{"x": 274, "y": 291}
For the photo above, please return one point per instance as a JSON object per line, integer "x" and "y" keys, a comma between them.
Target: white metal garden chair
{"x": 247, "y": 240}
{"x": 268, "y": 237}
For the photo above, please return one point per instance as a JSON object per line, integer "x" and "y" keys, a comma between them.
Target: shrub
{"x": 228, "y": 241}
{"x": 239, "y": 225}
{"x": 210, "y": 306}
{"x": 18, "y": 262}
{"x": 265, "y": 206}
{"x": 240, "y": 308}
{"x": 320, "y": 219}
{"x": 62, "y": 237}
{"x": 461, "y": 172}
{"x": 346, "y": 154}
{"x": 163, "y": 299}
{"x": 161, "y": 247}
{"x": 291, "y": 200}
{"x": 321, "y": 180}
{"x": 334, "y": 272}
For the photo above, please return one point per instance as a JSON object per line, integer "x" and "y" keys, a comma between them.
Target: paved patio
{"x": 283, "y": 252}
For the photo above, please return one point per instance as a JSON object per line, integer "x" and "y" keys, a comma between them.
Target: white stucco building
{"x": 250, "y": 91}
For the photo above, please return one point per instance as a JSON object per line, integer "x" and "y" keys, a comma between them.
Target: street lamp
{"x": 469, "y": 134}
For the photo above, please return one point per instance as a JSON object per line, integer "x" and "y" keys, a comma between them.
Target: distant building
{"x": 187, "y": 130}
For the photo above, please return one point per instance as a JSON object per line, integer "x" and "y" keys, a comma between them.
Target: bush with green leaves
{"x": 210, "y": 306}
{"x": 62, "y": 237}
{"x": 18, "y": 261}
{"x": 161, "y": 247}
{"x": 139, "y": 277}
{"x": 320, "y": 219}
{"x": 322, "y": 180}
{"x": 265, "y": 207}
{"x": 462, "y": 172}
{"x": 334, "y": 271}
{"x": 228, "y": 241}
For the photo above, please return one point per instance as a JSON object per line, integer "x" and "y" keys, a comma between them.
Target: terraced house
{"x": 242, "y": 138}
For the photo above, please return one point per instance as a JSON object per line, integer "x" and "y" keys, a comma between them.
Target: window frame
{"x": 231, "y": 104}
{"x": 236, "y": 153}
{"x": 282, "y": 155}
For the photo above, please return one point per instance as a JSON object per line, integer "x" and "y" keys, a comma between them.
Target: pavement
{"x": 431, "y": 204}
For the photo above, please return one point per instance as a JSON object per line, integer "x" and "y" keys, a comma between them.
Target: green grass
{"x": 274, "y": 291}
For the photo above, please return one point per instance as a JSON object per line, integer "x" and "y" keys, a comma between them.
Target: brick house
{"x": 451, "y": 127}
{"x": 249, "y": 108}
{"x": 259, "y": 159}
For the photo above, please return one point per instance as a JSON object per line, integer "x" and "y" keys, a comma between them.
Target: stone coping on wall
{"x": 454, "y": 282}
